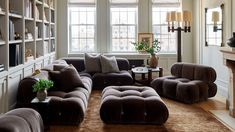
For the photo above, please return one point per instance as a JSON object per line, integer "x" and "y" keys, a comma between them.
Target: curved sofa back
{"x": 78, "y": 63}
{"x": 25, "y": 93}
{"x": 194, "y": 72}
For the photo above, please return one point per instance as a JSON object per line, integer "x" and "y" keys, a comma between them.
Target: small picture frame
{"x": 146, "y": 38}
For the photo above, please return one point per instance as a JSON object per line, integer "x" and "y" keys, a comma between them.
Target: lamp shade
{"x": 178, "y": 17}
{"x": 186, "y": 16}
{"x": 215, "y": 16}
{"x": 168, "y": 17}
{"x": 173, "y": 16}
{"x": 190, "y": 16}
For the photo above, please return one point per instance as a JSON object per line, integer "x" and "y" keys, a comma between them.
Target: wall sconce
{"x": 183, "y": 21}
{"x": 215, "y": 19}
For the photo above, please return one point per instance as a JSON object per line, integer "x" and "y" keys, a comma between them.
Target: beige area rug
{"x": 182, "y": 117}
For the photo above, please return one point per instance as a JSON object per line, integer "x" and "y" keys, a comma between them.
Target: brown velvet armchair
{"x": 189, "y": 83}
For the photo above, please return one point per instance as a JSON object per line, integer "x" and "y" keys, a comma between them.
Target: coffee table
{"x": 143, "y": 71}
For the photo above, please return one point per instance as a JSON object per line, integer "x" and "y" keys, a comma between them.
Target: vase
{"x": 153, "y": 61}
{"x": 41, "y": 95}
{"x": 231, "y": 41}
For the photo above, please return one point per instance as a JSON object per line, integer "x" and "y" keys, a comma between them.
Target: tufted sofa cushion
{"x": 189, "y": 83}
{"x": 21, "y": 120}
{"x": 132, "y": 104}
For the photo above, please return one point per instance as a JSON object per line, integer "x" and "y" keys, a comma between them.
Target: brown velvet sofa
{"x": 189, "y": 83}
{"x": 68, "y": 107}
{"x": 65, "y": 107}
{"x": 21, "y": 120}
{"x": 102, "y": 80}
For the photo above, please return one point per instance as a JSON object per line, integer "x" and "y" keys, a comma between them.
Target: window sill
{"x": 129, "y": 55}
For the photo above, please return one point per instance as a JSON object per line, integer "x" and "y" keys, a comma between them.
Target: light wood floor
{"x": 217, "y": 107}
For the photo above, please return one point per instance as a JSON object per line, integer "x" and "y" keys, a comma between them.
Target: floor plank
{"x": 217, "y": 107}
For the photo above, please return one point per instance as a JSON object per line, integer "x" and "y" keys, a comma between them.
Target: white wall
{"x": 211, "y": 55}
{"x": 187, "y": 43}
{"x": 62, "y": 28}
{"x": 233, "y": 15}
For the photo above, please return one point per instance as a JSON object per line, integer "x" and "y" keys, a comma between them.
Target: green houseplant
{"x": 149, "y": 48}
{"x": 41, "y": 87}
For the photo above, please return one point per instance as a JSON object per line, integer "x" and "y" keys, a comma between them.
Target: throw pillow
{"x": 109, "y": 64}
{"x": 92, "y": 63}
{"x": 66, "y": 79}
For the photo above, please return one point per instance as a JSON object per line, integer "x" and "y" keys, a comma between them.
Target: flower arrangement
{"x": 146, "y": 47}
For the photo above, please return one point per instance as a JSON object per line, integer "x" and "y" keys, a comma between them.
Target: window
{"x": 82, "y": 26}
{"x": 168, "y": 40}
{"x": 123, "y": 25}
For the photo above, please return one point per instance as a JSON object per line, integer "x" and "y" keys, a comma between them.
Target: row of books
{"x": 11, "y": 30}
{"x": 28, "y": 7}
{"x": 38, "y": 32}
{"x": 15, "y": 54}
{"x": 2, "y": 67}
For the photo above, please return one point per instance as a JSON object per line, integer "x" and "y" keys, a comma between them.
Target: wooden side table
{"x": 143, "y": 71}
{"x": 42, "y": 107}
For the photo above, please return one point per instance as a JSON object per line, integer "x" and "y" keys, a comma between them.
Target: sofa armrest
{"x": 25, "y": 91}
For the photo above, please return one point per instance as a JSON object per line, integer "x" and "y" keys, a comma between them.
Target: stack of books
{"x": 1, "y": 67}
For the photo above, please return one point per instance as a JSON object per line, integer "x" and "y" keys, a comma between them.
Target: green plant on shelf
{"x": 147, "y": 47}
{"x": 42, "y": 85}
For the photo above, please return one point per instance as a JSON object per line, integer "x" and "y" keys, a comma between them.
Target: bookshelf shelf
{"x": 51, "y": 8}
{"x": 39, "y": 39}
{"x": 38, "y": 20}
{"x": 29, "y": 19}
{"x": 15, "y": 15}
{"x": 46, "y": 5}
{"x": 46, "y": 22}
{"x": 2, "y": 13}
{"x": 2, "y": 42}
{"x": 38, "y": 2}
{"x": 15, "y": 41}
{"x": 28, "y": 40}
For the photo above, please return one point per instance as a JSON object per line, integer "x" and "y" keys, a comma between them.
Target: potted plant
{"x": 149, "y": 48}
{"x": 41, "y": 87}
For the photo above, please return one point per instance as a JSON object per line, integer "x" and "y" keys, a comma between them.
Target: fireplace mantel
{"x": 229, "y": 61}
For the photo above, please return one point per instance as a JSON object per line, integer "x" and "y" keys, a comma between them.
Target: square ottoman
{"x": 132, "y": 105}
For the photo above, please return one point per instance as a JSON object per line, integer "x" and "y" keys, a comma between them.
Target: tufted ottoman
{"x": 132, "y": 105}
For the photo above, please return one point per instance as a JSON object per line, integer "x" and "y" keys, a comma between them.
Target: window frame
{"x": 120, "y": 5}
{"x": 78, "y": 5}
{"x": 165, "y": 5}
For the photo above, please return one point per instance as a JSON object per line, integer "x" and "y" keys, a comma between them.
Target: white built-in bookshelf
{"x": 27, "y": 42}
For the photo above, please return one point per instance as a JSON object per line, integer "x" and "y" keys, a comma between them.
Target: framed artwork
{"x": 147, "y": 38}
